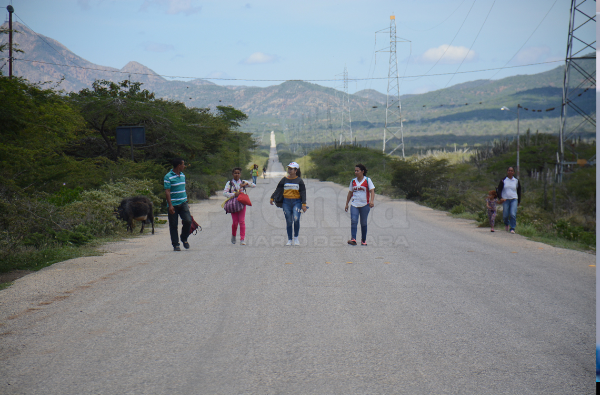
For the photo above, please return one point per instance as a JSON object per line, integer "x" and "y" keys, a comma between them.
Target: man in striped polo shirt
{"x": 177, "y": 201}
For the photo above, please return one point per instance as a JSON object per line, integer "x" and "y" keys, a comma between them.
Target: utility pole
{"x": 575, "y": 60}
{"x": 393, "y": 111}
{"x": 10, "y": 10}
{"x": 346, "y": 107}
{"x": 329, "y": 124}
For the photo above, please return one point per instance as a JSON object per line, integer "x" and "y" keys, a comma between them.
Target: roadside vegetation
{"x": 562, "y": 214}
{"x": 63, "y": 174}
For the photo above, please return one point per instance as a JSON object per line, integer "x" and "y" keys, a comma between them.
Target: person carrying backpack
{"x": 362, "y": 194}
{"x": 254, "y": 173}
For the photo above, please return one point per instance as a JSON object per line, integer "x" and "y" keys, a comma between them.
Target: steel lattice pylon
{"x": 346, "y": 127}
{"x": 393, "y": 112}
{"x": 582, "y": 80}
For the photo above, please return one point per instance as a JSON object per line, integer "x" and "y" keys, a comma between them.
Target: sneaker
{"x": 289, "y": 243}
{"x": 296, "y": 241}
{"x": 232, "y": 239}
{"x": 176, "y": 248}
{"x": 363, "y": 243}
{"x": 243, "y": 242}
{"x": 352, "y": 242}
{"x": 492, "y": 230}
{"x": 186, "y": 245}
{"x": 512, "y": 231}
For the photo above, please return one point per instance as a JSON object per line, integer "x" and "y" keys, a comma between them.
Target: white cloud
{"x": 449, "y": 54}
{"x": 172, "y": 7}
{"x": 258, "y": 58}
{"x": 533, "y": 55}
{"x": 157, "y": 47}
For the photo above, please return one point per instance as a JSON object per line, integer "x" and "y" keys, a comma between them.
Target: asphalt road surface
{"x": 433, "y": 305}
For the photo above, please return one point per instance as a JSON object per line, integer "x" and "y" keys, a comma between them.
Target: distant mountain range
{"x": 302, "y": 106}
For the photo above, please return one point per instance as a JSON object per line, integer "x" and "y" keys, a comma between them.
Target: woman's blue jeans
{"x": 363, "y": 213}
{"x": 292, "y": 208}
{"x": 254, "y": 179}
{"x": 509, "y": 212}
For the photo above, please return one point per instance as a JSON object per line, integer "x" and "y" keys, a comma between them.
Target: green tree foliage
{"x": 63, "y": 174}
{"x": 37, "y": 125}
{"x": 414, "y": 176}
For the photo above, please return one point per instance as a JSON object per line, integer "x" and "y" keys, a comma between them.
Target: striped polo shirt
{"x": 176, "y": 183}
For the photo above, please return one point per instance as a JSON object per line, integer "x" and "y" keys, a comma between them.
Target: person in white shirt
{"x": 361, "y": 196}
{"x": 232, "y": 189}
{"x": 509, "y": 190}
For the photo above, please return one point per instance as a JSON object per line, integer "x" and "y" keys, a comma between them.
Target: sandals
{"x": 352, "y": 242}
{"x": 363, "y": 243}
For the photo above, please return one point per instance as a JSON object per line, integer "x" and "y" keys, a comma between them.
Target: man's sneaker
{"x": 289, "y": 243}
{"x": 176, "y": 248}
{"x": 232, "y": 239}
{"x": 243, "y": 242}
{"x": 352, "y": 242}
{"x": 363, "y": 243}
{"x": 296, "y": 241}
{"x": 186, "y": 245}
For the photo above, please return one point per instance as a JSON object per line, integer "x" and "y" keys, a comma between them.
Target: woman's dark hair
{"x": 510, "y": 167}
{"x": 255, "y": 166}
{"x": 298, "y": 173}
{"x": 176, "y": 162}
{"x": 236, "y": 168}
{"x": 362, "y": 167}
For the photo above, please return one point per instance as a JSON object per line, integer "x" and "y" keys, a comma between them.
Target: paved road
{"x": 433, "y": 305}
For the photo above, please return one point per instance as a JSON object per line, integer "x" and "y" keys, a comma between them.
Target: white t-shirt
{"x": 361, "y": 196}
{"x": 510, "y": 188}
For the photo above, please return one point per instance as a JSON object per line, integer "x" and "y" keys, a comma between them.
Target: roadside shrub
{"x": 414, "y": 177}
{"x": 458, "y": 209}
{"x": 567, "y": 231}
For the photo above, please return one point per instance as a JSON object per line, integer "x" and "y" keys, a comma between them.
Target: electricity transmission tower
{"x": 579, "y": 76}
{"x": 329, "y": 124}
{"x": 393, "y": 110}
{"x": 346, "y": 128}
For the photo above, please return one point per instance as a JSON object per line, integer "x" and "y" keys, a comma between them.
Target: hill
{"x": 298, "y": 109}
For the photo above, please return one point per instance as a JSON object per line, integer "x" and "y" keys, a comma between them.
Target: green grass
{"x": 5, "y": 285}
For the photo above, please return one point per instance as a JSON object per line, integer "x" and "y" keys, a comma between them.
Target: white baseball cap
{"x": 294, "y": 164}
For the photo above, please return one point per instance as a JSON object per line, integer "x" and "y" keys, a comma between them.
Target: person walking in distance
{"x": 361, "y": 196}
{"x": 509, "y": 190}
{"x": 254, "y": 173}
{"x": 490, "y": 203}
{"x": 294, "y": 200}
{"x": 232, "y": 189}
{"x": 174, "y": 184}
{"x": 264, "y": 172}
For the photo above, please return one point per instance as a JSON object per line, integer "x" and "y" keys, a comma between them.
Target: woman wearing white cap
{"x": 294, "y": 199}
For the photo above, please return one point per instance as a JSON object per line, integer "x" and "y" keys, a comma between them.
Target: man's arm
{"x": 168, "y": 195}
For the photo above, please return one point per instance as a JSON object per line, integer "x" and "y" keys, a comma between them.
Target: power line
{"x": 293, "y": 79}
{"x": 441, "y": 23}
{"x": 45, "y": 41}
{"x": 526, "y": 41}
{"x": 449, "y": 45}
{"x": 473, "y": 43}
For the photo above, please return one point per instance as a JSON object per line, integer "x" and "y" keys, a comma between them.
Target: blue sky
{"x": 310, "y": 40}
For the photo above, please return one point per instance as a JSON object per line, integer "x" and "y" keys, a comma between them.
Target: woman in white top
{"x": 509, "y": 190}
{"x": 232, "y": 189}
{"x": 362, "y": 194}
